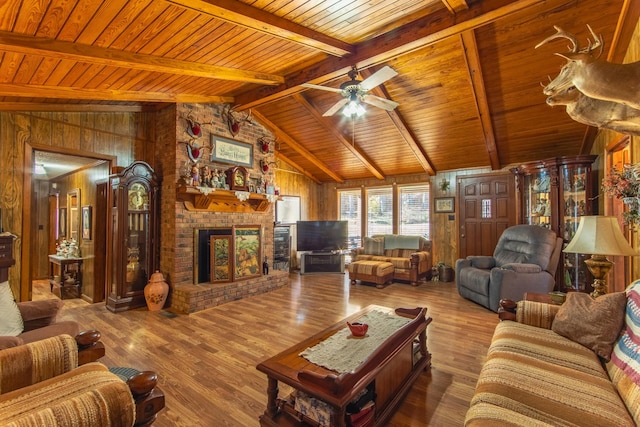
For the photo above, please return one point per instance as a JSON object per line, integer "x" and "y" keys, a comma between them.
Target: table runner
{"x": 343, "y": 352}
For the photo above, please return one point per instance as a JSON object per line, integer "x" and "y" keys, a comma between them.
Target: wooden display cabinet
{"x": 554, "y": 193}
{"x": 132, "y": 235}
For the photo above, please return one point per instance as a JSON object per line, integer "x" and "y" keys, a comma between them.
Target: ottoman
{"x": 378, "y": 272}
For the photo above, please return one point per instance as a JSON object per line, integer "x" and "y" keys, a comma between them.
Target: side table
{"x": 69, "y": 282}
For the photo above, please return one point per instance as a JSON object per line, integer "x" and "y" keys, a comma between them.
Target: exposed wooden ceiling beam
{"x": 29, "y": 45}
{"x": 409, "y": 37}
{"x": 403, "y": 129}
{"x": 472, "y": 59}
{"x": 283, "y": 136}
{"x": 250, "y": 17}
{"x": 57, "y": 92}
{"x": 104, "y": 108}
{"x": 455, "y": 5}
{"x": 330, "y": 126}
{"x": 293, "y": 164}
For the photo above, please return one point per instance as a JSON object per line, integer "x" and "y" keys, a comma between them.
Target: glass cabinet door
{"x": 575, "y": 203}
{"x": 137, "y": 238}
{"x": 537, "y": 208}
{"x": 133, "y": 232}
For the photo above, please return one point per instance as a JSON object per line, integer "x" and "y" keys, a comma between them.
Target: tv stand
{"x": 321, "y": 262}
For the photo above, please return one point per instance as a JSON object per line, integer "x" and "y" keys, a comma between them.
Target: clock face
{"x": 238, "y": 178}
{"x": 137, "y": 196}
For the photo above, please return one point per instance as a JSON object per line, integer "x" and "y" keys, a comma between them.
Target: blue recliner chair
{"x": 525, "y": 260}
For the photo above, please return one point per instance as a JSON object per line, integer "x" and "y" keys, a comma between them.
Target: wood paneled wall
{"x": 126, "y": 136}
{"x": 606, "y": 137}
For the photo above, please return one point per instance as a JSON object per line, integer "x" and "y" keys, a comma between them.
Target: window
{"x": 351, "y": 211}
{"x": 414, "y": 210}
{"x": 379, "y": 211}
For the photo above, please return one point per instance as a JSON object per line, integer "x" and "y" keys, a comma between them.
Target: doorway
{"x": 63, "y": 188}
{"x": 487, "y": 207}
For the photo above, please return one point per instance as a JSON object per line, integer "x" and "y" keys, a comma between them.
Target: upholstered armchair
{"x": 524, "y": 260}
{"x": 42, "y": 384}
{"x": 39, "y": 320}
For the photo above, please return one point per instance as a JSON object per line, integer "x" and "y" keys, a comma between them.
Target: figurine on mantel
{"x": 205, "y": 178}
{"x": 195, "y": 175}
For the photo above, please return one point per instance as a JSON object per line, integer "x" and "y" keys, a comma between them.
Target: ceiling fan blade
{"x": 334, "y": 109}
{"x": 379, "y": 77}
{"x": 376, "y": 101}
{"x": 330, "y": 89}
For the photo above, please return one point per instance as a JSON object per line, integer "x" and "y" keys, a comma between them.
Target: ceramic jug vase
{"x": 156, "y": 291}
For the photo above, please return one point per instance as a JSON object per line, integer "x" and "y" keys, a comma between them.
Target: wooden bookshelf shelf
{"x": 220, "y": 200}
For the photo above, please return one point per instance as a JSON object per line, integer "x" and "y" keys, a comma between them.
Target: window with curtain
{"x": 379, "y": 211}
{"x": 350, "y": 202}
{"x": 413, "y": 210}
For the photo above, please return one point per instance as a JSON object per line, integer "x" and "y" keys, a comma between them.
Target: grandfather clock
{"x": 132, "y": 235}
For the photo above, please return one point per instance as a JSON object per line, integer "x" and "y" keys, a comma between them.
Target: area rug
{"x": 343, "y": 352}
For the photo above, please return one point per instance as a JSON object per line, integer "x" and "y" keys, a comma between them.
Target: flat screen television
{"x": 321, "y": 236}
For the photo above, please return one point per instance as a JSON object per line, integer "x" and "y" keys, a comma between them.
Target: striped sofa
{"x": 535, "y": 376}
{"x": 41, "y": 384}
{"x": 410, "y": 255}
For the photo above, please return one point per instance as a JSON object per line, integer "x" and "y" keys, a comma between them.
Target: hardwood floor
{"x": 206, "y": 361}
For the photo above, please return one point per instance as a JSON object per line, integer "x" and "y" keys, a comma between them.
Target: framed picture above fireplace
{"x": 247, "y": 252}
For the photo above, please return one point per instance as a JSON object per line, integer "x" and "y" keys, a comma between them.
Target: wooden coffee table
{"x": 391, "y": 370}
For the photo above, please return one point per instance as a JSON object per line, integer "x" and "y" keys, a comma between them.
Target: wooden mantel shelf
{"x": 220, "y": 200}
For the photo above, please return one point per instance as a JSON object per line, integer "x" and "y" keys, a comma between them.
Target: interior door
{"x": 618, "y": 154}
{"x": 487, "y": 207}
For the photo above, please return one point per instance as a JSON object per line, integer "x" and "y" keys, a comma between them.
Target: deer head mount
{"x": 592, "y": 76}
{"x": 265, "y": 144}
{"x": 266, "y": 166}
{"x": 234, "y": 122}
{"x": 596, "y": 92}
{"x": 194, "y": 128}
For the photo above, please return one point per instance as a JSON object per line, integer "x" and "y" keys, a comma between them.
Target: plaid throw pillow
{"x": 374, "y": 246}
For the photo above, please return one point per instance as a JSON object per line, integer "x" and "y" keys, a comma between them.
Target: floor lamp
{"x": 599, "y": 236}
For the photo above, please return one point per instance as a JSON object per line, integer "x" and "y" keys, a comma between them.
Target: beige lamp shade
{"x": 599, "y": 235}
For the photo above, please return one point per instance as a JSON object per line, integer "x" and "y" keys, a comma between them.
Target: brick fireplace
{"x": 180, "y": 225}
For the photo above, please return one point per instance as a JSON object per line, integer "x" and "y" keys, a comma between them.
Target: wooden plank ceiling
{"x": 468, "y": 83}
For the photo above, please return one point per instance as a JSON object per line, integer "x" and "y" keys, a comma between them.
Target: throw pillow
{"x": 11, "y": 321}
{"x": 374, "y": 245}
{"x": 626, "y": 354}
{"x": 594, "y": 323}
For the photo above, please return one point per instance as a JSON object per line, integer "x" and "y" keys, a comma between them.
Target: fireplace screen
{"x": 220, "y": 265}
{"x": 247, "y": 252}
{"x": 227, "y": 254}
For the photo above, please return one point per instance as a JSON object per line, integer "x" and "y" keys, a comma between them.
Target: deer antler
{"x": 560, "y": 33}
{"x": 598, "y": 42}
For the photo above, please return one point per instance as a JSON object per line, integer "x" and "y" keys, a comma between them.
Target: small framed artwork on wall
{"x": 444, "y": 204}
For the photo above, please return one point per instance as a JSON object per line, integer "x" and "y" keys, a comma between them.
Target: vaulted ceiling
{"x": 468, "y": 83}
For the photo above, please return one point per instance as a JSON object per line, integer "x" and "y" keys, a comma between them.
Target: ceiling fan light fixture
{"x": 353, "y": 108}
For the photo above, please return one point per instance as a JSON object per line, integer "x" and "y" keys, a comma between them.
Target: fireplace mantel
{"x": 220, "y": 200}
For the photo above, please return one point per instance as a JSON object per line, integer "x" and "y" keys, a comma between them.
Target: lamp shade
{"x": 599, "y": 235}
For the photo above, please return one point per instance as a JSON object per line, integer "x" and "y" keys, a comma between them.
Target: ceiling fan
{"x": 355, "y": 91}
